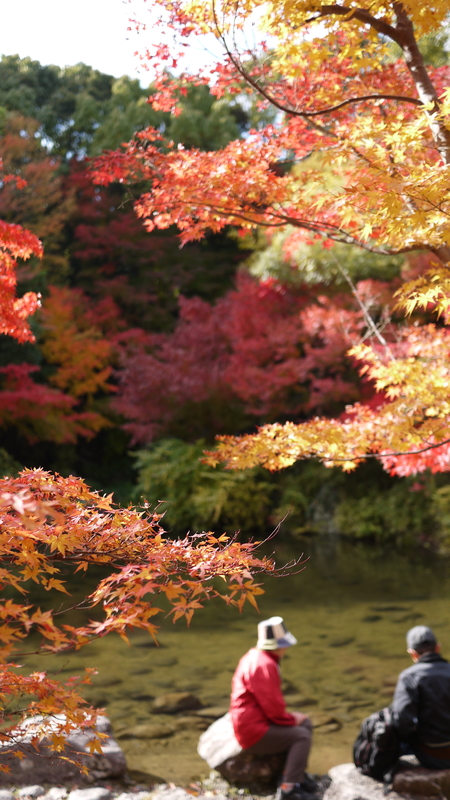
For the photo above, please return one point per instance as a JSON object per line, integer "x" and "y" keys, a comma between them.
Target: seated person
{"x": 261, "y": 723}
{"x": 421, "y": 704}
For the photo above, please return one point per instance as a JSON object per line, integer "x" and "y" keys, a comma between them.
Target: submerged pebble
{"x": 149, "y": 731}
{"x": 341, "y": 642}
{"x": 172, "y": 702}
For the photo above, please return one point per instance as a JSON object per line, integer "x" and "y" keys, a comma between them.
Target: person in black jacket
{"x": 421, "y": 704}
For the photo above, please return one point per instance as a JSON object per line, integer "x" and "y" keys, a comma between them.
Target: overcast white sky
{"x": 65, "y": 32}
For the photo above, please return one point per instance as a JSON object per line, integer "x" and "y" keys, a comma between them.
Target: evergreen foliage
{"x": 173, "y": 480}
{"x": 81, "y": 111}
{"x": 307, "y": 498}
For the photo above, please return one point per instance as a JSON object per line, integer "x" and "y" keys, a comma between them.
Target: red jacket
{"x": 256, "y": 697}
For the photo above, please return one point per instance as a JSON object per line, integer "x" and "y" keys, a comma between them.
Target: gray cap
{"x": 420, "y": 635}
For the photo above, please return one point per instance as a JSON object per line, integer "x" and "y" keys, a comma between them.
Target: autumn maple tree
{"x": 34, "y": 208}
{"x": 52, "y": 527}
{"x": 358, "y": 154}
{"x": 15, "y": 243}
{"x": 39, "y": 203}
{"x": 263, "y": 348}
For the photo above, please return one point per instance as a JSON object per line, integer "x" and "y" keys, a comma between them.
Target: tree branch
{"x": 422, "y": 81}
{"x": 386, "y": 455}
{"x": 365, "y": 311}
{"x": 358, "y": 13}
{"x": 403, "y": 34}
{"x": 257, "y": 86}
{"x": 398, "y": 97}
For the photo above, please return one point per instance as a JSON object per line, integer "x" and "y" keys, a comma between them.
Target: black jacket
{"x": 421, "y": 705}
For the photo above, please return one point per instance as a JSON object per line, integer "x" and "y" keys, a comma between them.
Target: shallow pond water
{"x": 349, "y": 609}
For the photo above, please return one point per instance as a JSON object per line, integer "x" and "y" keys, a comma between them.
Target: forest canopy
{"x": 284, "y": 311}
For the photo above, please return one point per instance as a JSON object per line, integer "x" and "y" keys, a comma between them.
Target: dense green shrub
{"x": 8, "y": 464}
{"x": 365, "y": 505}
{"x": 440, "y": 499}
{"x": 195, "y": 496}
{"x": 397, "y": 514}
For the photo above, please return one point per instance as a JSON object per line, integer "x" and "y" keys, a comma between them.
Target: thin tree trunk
{"x": 406, "y": 39}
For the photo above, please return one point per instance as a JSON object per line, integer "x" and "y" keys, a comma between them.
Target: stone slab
{"x": 40, "y": 764}
{"x": 410, "y": 781}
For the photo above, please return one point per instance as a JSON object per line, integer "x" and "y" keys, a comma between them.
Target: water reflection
{"x": 349, "y": 609}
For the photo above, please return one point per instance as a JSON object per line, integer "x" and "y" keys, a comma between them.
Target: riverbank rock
{"x": 171, "y": 793}
{"x": 222, "y": 752}
{"x": 42, "y": 765}
{"x": 347, "y": 783}
{"x": 410, "y": 780}
{"x": 419, "y": 780}
{"x": 254, "y": 772}
{"x": 96, "y": 793}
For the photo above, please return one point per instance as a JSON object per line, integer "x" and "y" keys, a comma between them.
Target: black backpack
{"x": 377, "y": 747}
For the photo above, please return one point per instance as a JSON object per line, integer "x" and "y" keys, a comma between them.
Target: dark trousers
{"x": 293, "y": 739}
{"x": 428, "y": 759}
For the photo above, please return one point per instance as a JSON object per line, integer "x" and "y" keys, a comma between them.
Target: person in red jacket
{"x": 258, "y": 710}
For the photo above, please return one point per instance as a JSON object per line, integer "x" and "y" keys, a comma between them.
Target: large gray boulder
{"x": 410, "y": 780}
{"x": 348, "y": 783}
{"x": 40, "y": 764}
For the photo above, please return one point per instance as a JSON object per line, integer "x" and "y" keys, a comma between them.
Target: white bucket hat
{"x": 272, "y": 634}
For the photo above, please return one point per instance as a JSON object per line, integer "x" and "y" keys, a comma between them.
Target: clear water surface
{"x": 349, "y": 609}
